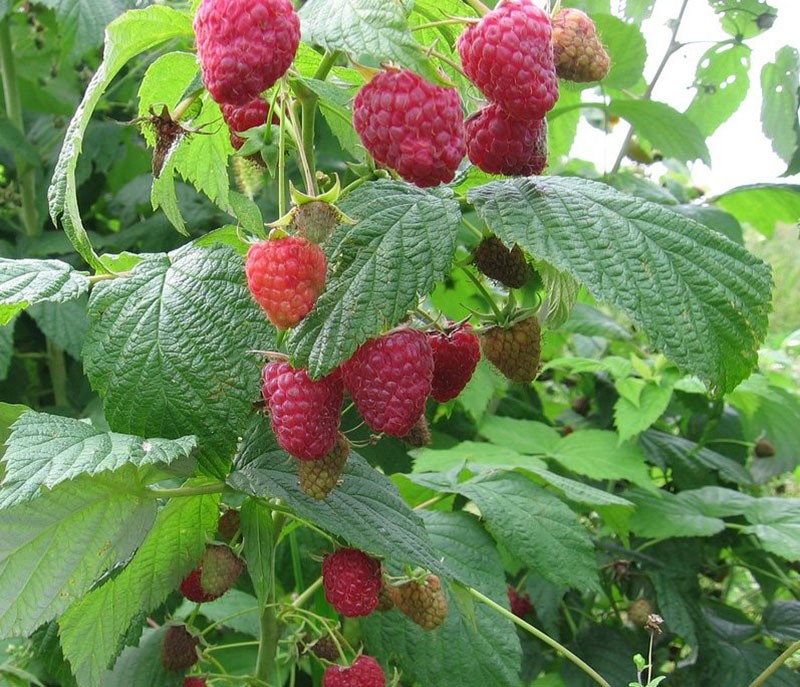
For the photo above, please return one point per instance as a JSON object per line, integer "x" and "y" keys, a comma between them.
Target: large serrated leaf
{"x": 169, "y": 349}
{"x": 481, "y": 640}
{"x": 776, "y": 522}
{"x": 54, "y": 548}
{"x": 400, "y": 246}
{"x": 366, "y": 509}
{"x": 45, "y": 450}
{"x": 91, "y": 628}
{"x": 701, "y": 298}
{"x": 131, "y": 34}
{"x": 365, "y": 28}
{"x": 26, "y": 282}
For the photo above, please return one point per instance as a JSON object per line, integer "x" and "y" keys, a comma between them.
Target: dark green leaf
{"x": 84, "y": 22}
{"x": 401, "y": 245}
{"x": 45, "y": 450}
{"x": 662, "y": 514}
{"x": 702, "y": 299}
{"x": 776, "y": 523}
{"x": 763, "y": 206}
{"x": 11, "y": 138}
{"x": 259, "y": 551}
{"x": 6, "y": 347}
{"x": 64, "y": 324}
{"x": 141, "y": 666}
{"x": 781, "y": 619}
{"x": 780, "y": 84}
{"x": 176, "y": 335}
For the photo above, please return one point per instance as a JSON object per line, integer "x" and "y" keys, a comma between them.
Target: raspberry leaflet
{"x": 305, "y": 413}
{"x": 455, "y": 357}
{"x": 352, "y": 582}
{"x": 365, "y": 671}
{"x": 412, "y": 126}
{"x": 286, "y": 276}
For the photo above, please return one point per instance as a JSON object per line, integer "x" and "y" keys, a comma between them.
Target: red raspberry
{"x": 500, "y": 144}
{"x": 305, "y": 414}
{"x": 389, "y": 379}
{"x": 520, "y": 603}
{"x": 218, "y": 569}
{"x": 508, "y": 55}
{"x": 352, "y": 582}
{"x": 412, "y": 126}
{"x": 286, "y": 276}
{"x": 364, "y": 672}
{"x": 179, "y": 650}
{"x": 245, "y": 46}
{"x": 455, "y": 356}
{"x": 243, "y": 117}
{"x": 195, "y": 682}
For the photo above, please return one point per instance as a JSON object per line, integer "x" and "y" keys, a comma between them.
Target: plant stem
{"x": 25, "y": 173}
{"x": 547, "y": 639}
{"x": 269, "y": 632}
{"x": 308, "y": 593}
{"x": 673, "y": 46}
{"x": 772, "y": 668}
{"x": 58, "y": 373}
{"x": 484, "y": 293}
{"x": 177, "y": 492}
{"x": 478, "y": 6}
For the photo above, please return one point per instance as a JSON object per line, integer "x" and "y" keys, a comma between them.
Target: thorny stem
{"x": 674, "y": 45}
{"x": 25, "y": 173}
{"x": 547, "y": 639}
{"x": 772, "y": 668}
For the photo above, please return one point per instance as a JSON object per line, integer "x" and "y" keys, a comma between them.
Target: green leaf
{"x": 365, "y": 29}
{"x": 763, "y": 206}
{"x": 401, "y": 245}
{"x": 54, "y": 548}
{"x": 485, "y": 384}
{"x": 6, "y": 347}
{"x": 579, "y": 492}
{"x": 9, "y": 413}
{"x": 25, "y": 282}
{"x": 744, "y": 18}
{"x": 702, "y": 299}
{"x": 236, "y": 610}
{"x": 83, "y": 22}
{"x": 141, "y": 666}
{"x": 525, "y": 436}
{"x": 132, "y": 33}
{"x": 715, "y": 219}
{"x": 590, "y": 321}
{"x": 673, "y": 133}
{"x": 633, "y": 418}
{"x": 259, "y": 550}
{"x": 626, "y": 47}
{"x": 474, "y": 636}
{"x": 176, "y": 335}
{"x": 781, "y": 619}
{"x": 365, "y": 509}
{"x": 562, "y": 122}
{"x": 334, "y": 102}
{"x": 677, "y": 607}
{"x": 64, "y": 324}
{"x": 780, "y": 84}
{"x": 722, "y": 80}
{"x": 92, "y": 627}
{"x": 45, "y": 450}
{"x": 661, "y": 514}
{"x": 11, "y": 138}
{"x": 776, "y": 523}
{"x": 561, "y": 292}
{"x": 478, "y": 456}
{"x": 639, "y": 10}
{"x": 538, "y": 527}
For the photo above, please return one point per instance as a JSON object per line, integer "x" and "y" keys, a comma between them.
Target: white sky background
{"x": 740, "y": 153}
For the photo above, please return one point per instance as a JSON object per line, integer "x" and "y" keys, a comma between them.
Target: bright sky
{"x": 740, "y": 153}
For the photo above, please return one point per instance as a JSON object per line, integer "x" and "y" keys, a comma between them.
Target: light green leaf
{"x": 562, "y": 122}
{"x": 236, "y": 610}
{"x": 631, "y": 419}
{"x": 701, "y": 298}
{"x": 45, "y": 450}
{"x": 524, "y": 436}
{"x": 673, "y": 133}
{"x": 25, "y": 282}
{"x": 481, "y": 639}
{"x": 744, "y": 18}
{"x": 334, "y": 102}
{"x": 64, "y": 324}
{"x": 537, "y": 526}
{"x": 626, "y": 47}
{"x": 9, "y": 414}
{"x": 722, "y": 80}
{"x": 365, "y": 29}
{"x": 661, "y": 514}
{"x": 92, "y": 627}
{"x": 776, "y": 523}
{"x": 763, "y": 206}
{"x": 54, "y": 548}
{"x": 639, "y": 10}
{"x": 578, "y": 491}
{"x": 780, "y": 84}
{"x": 176, "y": 335}
{"x": 365, "y": 509}
{"x": 561, "y": 291}
{"x": 485, "y": 384}
{"x": 479, "y": 456}
{"x": 401, "y": 245}
{"x": 131, "y": 34}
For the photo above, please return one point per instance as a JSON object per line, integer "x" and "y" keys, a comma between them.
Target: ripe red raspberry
{"x": 508, "y": 55}
{"x": 243, "y": 117}
{"x": 245, "y": 47}
{"x": 578, "y": 53}
{"x": 195, "y": 682}
{"x": 520, "y": 603}
{"x": 364, "y": 672}
{"x": 305, "y": 413}
{"x": 455, "y": 356}
{"x": 352, "y": 582}
{"x": 389, "y": 379}
{"x": 286, "y": 276}
{"x": 499, "y": 144}
{"x": 412, "y": 126}
{"x": 215, "y": 574}
{"x": 179, "y": 650}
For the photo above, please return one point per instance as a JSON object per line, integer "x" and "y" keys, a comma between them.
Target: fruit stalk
{"x": 268, "y": 622}
{"x": 478, "y": 6}
{"x": 547, "y": 639}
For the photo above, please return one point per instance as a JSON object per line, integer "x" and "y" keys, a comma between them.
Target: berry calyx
{"x": 317, "y": 478}
{"x": 508, "y": 56}
{"x": 179, "y": 650}
{"x": 389, "y": 379}
{"x": 216, "y": 573}
{"x": 577, "y": 51}
{"x": 508, "y": 266}
{"x": 514, "y": 350}
{"x": 286, "y": 276}
{"x": 423, "y": 602}
{"x": 245, "y": 47}
{"x": 455, "y": 357}
{"x": 411, "y": 125}
{"x": 305, "y": 414}
{"x": 365, "y": 671}
{"x": 498, "y": 143}
{"x": 352, "y": 581}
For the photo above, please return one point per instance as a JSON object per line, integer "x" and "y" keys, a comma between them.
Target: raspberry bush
{"x": 335, "y": 364}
